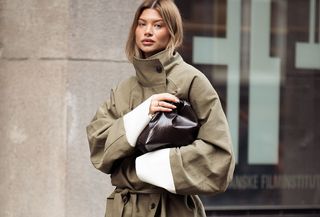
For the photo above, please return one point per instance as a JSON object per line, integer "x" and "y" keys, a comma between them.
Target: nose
{"x": 148, "y": 30}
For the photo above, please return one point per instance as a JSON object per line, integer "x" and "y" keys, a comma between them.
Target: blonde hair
{"x": 171, "y": 17}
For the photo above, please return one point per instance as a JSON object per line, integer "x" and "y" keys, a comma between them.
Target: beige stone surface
{"x": 33, "y": 144}
{"x": 34, "y": 28}
{"x": 58, "y": 61}
{"x": 99, "y": 29}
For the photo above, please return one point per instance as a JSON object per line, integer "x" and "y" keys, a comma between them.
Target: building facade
{"x": 59, "y": 59}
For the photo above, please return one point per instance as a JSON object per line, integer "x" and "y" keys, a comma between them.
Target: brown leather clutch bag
{"x": 169, "y": 129}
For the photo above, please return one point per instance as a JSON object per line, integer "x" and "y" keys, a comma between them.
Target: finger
{"x": 159, "y": 109}
{"x": 162, "y": 109}
{"x": 170, "y": 98}
{"x": 166, "y": 105}
{"x": 158, "y": 102}
{"x": 155, "y": 103}
{"x": 157, "y": 106}
{"x": 166, "y": 97}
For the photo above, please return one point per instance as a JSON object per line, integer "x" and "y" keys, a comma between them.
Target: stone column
{"x": 58, "y": 61}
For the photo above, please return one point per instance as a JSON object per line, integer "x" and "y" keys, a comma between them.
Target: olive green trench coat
{"x": 204, "y": 167}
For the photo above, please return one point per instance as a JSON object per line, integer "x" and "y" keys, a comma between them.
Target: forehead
{"x": 150, "y": 14}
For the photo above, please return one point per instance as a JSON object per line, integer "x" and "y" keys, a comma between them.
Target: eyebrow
{"x": 155, "y": 20}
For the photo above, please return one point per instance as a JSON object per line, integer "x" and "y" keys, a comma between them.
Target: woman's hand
{"x": 160, "y": 102}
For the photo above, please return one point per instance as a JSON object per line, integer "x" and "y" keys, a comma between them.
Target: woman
{"x": 164, "y": 182}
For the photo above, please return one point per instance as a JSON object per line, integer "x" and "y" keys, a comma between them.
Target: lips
{"x": 147, "y": 41}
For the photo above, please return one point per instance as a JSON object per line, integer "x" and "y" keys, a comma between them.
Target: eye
{"x": 157, "y": 25}
{"x": 141, "y": 24}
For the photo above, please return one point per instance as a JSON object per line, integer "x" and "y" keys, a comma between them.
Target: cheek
{"x": 164, "y": 37}
{"x": 137, "y": 36}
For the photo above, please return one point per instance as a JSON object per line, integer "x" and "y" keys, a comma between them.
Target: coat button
{"x": 125, "y": 199}
{"x": 153, "y": 205}
{"x": 159, "y": 69}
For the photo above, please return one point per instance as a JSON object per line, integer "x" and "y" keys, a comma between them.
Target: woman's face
{"x": 152, "y": 35}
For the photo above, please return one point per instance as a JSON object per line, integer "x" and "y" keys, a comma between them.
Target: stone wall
{"x": 58, "y": 61}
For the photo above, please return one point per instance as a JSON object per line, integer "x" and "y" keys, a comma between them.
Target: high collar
{"x": 153, "y": 70}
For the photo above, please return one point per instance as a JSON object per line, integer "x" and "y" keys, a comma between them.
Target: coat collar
{"x": 153, "y": 70}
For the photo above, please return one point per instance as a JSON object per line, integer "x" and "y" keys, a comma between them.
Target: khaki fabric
{"x": 204, "y": 167}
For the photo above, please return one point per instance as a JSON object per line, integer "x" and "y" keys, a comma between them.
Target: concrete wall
{"x": 58, "y": 60}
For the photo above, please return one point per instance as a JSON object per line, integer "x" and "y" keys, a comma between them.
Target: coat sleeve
{"x": 204, "y": 167}
{"x": 107, "y": 137}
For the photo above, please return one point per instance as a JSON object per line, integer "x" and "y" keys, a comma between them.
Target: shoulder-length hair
{"x": 171, "y": 17}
